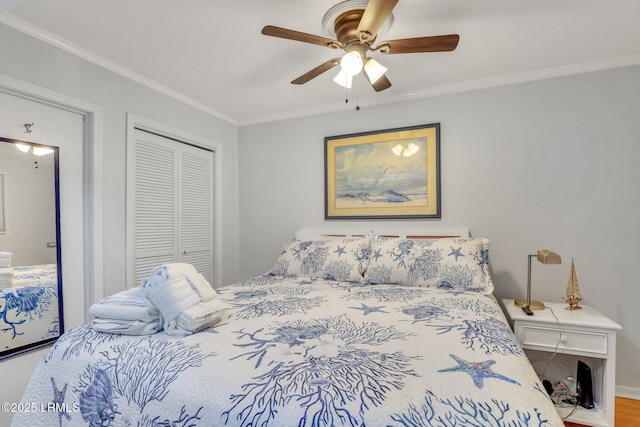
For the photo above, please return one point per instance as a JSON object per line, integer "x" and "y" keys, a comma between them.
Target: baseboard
{"x": 628, "y": 392}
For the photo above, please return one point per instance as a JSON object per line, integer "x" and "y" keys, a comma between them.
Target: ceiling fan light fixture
{"x": 408, "y": 151}
{"x": 343, "y": 79}
{"x": 411, "y": 150}
{"x": 355, "y": 26}
{"x": 23, "y": 147}
{"x": 351, "y": 63}
{"x": 42, "y": 151}
{"x": 374, "y": 70}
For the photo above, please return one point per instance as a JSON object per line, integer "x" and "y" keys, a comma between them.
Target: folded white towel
{"x": 197, "y": 317}
{"x": 133, "y": 294}
{"x": 176, "y": 286}
{"x": 174, "y": 296}
{"x": 128, "y": 305}
{"x": 202, "y": 314}
{"x": 5, "y": 259}
{"x": 126, "y": 327}
{"x": 202, "y": 286}
{"x": 185, "y": 299}
{"x": 197, "y": 281}
{"x": 6, "y": 277}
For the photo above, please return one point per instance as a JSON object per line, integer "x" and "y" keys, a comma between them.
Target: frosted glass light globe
{"x": 351, "y": 63}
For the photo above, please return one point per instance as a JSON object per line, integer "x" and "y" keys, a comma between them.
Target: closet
{"x": 174, "y": 204}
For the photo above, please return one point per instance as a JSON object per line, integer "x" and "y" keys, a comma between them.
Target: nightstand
{"x": 584, "y": 335}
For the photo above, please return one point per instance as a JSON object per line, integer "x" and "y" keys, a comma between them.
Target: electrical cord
{"x": 561, "y": 391}
{"x": 555, "y": 350}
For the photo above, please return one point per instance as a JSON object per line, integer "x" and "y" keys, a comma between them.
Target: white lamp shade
{"x": 41, "y": 151}
{"x": 411, "y": 150}
{"x": 408, "y": 151}
{"x": 23, "y": 147}
{"x": 343, "y": 79}
{"x": 374, "y": 70}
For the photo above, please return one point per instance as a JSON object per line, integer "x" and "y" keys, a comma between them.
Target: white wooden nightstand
{"x": 584, "y": 335}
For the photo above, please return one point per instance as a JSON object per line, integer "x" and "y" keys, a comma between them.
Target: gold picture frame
{"x": 385, "y": 174}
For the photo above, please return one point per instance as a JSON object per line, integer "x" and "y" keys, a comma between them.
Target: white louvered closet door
{"x": 173, "y": 205}
{"x": 195, "y": 213}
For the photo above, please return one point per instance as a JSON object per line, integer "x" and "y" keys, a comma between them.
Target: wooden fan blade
{"x": 381, "y": 84}
{"x": 284, "y": 33}
{"x": 316, "y": 71}
{"x": 374, "y": 15}
{"x": 445, "y": 43}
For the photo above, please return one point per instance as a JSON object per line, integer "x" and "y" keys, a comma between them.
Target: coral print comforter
{"x": 29, "y": 308}
{"x": 301, "y": 351}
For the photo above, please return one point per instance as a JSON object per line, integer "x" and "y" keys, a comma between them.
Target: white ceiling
{"x": 211, "y": 54}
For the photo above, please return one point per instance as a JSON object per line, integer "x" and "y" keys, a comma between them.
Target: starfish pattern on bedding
{"x": 477, "y": 370}
{"x": 58, "y": 401}
{"x": 340, "y": 250}
{"x": 456, "y": 252}
{"x": 368, "y": 309}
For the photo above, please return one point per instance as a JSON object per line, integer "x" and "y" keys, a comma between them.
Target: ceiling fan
{"x": 356, "y": 29}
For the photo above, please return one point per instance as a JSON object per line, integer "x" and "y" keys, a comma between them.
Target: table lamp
{"x": 544, "y": 256}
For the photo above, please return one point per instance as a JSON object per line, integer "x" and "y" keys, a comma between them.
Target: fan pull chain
{"x": 358, "y": 92}
{"x": 346, "y": 94}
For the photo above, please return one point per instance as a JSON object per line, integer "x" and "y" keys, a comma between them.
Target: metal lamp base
{"x": 533, "y": 305}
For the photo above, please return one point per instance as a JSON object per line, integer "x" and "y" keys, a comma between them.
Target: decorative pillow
{"x": 344, "y": 260}
{"x": 457, "y": 264}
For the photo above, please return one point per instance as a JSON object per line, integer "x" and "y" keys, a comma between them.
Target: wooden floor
{"x": 627, "y": 413}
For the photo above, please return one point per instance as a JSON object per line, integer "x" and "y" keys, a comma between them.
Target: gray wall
{"x": 548, "y": 164}
{"x": 36, "y": 62}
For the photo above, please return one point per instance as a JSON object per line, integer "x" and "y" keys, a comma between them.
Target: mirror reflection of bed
{"x": 30, "y": 309}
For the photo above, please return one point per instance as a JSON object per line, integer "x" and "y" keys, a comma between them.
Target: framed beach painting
{"x": 386, "y": 174}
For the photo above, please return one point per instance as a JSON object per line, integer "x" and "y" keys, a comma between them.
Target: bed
{"x": 29, "y": 308}
{"x": 367, "y": 330}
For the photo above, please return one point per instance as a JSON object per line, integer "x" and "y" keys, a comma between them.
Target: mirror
{"x": 30, "y": 274}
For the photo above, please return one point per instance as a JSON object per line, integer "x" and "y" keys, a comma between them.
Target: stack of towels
{"x": 174, "y": 298}
{"x": 129, "y": 312}
{"x": 184, "y": 297}
{"x": 6, "y": 272}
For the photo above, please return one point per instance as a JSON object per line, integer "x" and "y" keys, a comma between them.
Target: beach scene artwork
{"x": 382, "y": 174}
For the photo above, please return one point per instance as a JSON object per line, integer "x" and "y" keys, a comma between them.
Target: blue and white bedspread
{"x": 29, "y": 308}
{"x": 302, "y": 352}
